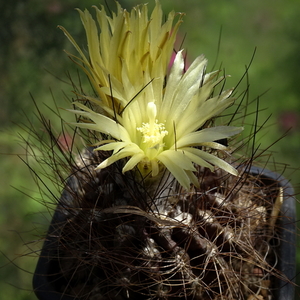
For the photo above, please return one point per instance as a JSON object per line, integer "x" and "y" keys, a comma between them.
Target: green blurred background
{"x": 32, "y": 50}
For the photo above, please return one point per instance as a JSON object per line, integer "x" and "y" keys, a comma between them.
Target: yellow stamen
{"x": 153, "y": 132}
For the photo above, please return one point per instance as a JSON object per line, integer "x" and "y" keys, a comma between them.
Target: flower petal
{"x": 133, "y": 161}
{"x": 116, "y": 146}
{"x": 207, "y": 135}
{"x": 188, "y": 87}
{"x": 129, "y": 150}
{"x": 179, "y": 173}
{"x": 102, "y": 123}
{"x": 177, "y": 163}
{"x": 212, "y": 159}
{"x": 200, "y": 110}
{"x": 195, "y": 157}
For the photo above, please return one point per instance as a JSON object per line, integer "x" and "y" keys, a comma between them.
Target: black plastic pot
{"x": 287, "y": 247}
{"x": 47, "y": 278}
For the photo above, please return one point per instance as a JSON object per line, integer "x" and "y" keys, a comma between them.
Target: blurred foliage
{"x": 32, "y": 50}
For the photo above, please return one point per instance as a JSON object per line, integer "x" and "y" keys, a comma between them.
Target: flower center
{"x": 153, "y": 132}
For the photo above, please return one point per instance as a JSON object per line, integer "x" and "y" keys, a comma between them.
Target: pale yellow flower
{"x": 153, "y": 120}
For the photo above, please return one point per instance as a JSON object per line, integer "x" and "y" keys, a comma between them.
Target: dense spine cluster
{"x": 117, "y": 241}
